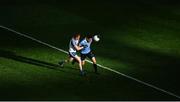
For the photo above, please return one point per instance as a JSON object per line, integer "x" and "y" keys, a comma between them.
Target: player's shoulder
{"x": 83, "y": 40}
{"x": 74, "y": 40}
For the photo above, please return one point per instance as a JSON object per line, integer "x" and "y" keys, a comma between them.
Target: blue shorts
{"x": 72, "y": 54}
{"x": 90, "y": 55}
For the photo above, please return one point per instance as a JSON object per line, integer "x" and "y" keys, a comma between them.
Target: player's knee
{"x": 94, "y": 60}
{"x": 83, "y": 62}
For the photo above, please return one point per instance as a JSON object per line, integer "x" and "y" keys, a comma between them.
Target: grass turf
{"x": 140, "y": 40}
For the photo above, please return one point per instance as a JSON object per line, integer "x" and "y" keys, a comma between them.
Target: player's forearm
{"x": 79, "y": 48}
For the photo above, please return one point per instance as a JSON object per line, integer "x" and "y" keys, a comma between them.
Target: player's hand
{"x": 85, "y": 46}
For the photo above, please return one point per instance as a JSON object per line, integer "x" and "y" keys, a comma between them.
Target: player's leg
{"x": 83, "y": 62}
{"x": 93, "y": 59}
{"x": 94, "y": 64}
{"x": 61, "y": 63}
{"x": 78, "y": 59}
{"x": 83, "y": 57}
{"x": 70, "y": 59}
{"x": 74, "y": 61}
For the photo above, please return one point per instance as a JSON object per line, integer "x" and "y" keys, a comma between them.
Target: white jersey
{"x": 72, "y": 45}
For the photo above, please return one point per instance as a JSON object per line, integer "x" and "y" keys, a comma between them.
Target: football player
{"x": 73, "y": 48}
{"x": 87, "y": 52}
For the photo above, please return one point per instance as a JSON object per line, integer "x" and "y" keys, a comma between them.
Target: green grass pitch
{"x": 138, "y": 38}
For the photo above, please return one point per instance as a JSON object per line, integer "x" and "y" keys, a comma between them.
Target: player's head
{"x": 77, "y": 36}
{"x": 89, "y": 37}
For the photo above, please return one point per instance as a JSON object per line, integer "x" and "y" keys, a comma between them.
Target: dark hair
{"x": 76, "y": 35}
{"x": 89, "y": 36}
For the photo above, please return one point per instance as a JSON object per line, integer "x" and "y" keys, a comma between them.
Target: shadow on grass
{"x": 13, "y": 56}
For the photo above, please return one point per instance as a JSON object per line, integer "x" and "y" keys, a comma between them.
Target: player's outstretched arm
{"x": 79, "y": 48}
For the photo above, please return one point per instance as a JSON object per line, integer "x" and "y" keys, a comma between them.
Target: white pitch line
{"x": 104, "y": 67}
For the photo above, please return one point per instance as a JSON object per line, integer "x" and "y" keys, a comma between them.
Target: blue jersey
{"x": 86, "y": 45}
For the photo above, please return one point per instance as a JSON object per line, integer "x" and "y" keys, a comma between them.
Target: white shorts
{"x": 73, "y": 54}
